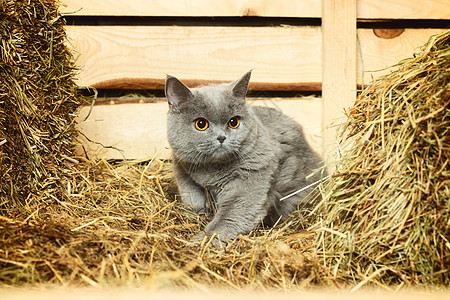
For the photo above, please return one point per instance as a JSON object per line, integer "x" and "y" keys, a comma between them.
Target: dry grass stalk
{"x": 389, "y": 199}
{"x": 70, "y": 221}
{"x": 37, "y": 100}
{"x": 67, "y": 220}
{"x": 115, "y": 226}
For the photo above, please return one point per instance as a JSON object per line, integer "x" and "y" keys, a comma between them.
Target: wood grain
{"x": 138, "y": 131}
{"x": 158, "y": 83}
{"x": 380, "y": 54}
{"x": 285, "y": 55}
{"x": 282, "y": 58}
{"x": 339, "y": 64}
{"x": 367, "y": 9}
{"x": 403, "y": 9}
{"x": 204, "y": 8}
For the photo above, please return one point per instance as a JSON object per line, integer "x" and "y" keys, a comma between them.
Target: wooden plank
{"x": 403, "y": 9}
{"x": 139, "y": 130}
{"x": 198, "y": 8}
{"x": 378, "y": 54}
{"x": 117, "y": 54}
{"x": 367, "y": 9}
{"x": 158, "y": 83}
{"x": 282, "y": 58}
{"x": 339, "y": 64}
{"x": 129, "y": 131}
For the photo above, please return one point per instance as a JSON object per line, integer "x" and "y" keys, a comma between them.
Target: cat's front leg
{"x": 191, "y": 193}
{"x": 241, "y": 206}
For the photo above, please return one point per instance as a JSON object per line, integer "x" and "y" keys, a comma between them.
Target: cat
{"x": 245, "y": 157}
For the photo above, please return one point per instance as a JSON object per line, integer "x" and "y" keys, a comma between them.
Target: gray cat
{"x": 244, "y": 158}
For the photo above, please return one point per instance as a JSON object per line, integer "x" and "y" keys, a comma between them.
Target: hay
{"x": 387, "y": 208}
{"x": 115, "y": 226}
{"x": 37, "y": 103}
{"x": 67, "y": 220}
{"x": 72, "y": 221}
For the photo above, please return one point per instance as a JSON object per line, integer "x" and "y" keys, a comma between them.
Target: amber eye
{"x": 234, "y": 122}
{"x": 201, "y": 124}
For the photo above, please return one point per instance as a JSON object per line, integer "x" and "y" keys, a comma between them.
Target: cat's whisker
{"x": 244, "y": 161}
{"x": 201, "y": 158}
{"x": 195, "y": 162}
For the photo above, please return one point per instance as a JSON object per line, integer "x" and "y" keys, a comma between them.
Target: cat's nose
{"x": 221, "y": 138}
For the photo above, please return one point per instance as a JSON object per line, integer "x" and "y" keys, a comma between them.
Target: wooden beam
{"x": 339, "y": 64}
{"x": 158, "y": 83}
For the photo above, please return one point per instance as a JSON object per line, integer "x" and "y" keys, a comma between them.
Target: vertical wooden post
{"x": 338, "y": 65}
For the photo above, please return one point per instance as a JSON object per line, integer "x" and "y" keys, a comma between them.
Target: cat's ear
{"x": 176, "y": 92}
{"x": 240, "y": 87}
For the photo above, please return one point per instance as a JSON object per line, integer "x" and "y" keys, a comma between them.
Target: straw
{"x": 387, "y": 207}
{"x": 38, "y": 100}
{"x": 114, "y": 225}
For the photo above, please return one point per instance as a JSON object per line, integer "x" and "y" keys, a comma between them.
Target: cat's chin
{"x": 220, "y": 155}
{"x": 217, "y": 156}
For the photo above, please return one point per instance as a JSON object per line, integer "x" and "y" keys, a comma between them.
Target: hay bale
{"x": 386, "y": 213}
{"x": 38, "y": 101}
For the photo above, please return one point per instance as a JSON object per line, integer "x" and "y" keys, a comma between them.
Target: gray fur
{"x": 259, "y": 162}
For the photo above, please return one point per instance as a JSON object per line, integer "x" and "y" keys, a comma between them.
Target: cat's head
{"x": 210, "y": 123}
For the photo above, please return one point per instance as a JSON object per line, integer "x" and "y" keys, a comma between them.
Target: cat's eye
{"x": 201, "y": 124}
{"x": 233, "y": 123}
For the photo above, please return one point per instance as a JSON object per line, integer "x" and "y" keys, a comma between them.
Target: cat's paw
{"x": 214, "y": 240}
{"x": 199, "y": 237}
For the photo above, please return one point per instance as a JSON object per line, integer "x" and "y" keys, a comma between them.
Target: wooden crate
{"x": 314, "y": 46}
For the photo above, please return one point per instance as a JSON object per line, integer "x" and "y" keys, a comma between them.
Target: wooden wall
{"x": 292, "y": 45}
{"x": 366, "y": 9}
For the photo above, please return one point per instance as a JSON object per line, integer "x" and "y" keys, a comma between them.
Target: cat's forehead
{"x": 215, "y": 100}
{"x": 214, "y": 94}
